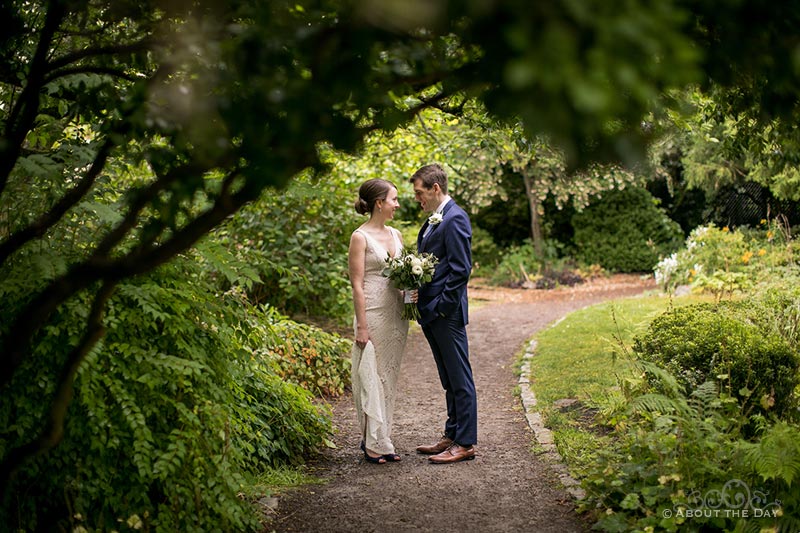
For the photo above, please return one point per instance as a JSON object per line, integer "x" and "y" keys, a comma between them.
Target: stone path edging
{"x": 543, "y": 435}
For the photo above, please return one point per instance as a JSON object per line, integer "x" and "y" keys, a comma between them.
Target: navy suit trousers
{"x": 448, "y": 340}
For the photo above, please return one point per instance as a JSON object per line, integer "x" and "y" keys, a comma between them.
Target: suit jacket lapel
{"x": 420, "y": 236}
{"x": 447, "y": 206}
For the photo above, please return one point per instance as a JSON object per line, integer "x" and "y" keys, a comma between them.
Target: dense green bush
{"x": 677, "y": 462}
{"x": 779, "y": 296}
{"x": 625, "y": 231}
{"x": 520, "y": 266}
{"x": 308, "y": 357}
{"x": 726, "y": 342}
{"x": 485, "y": 253}
{"x": 516, "y": 266}
{"x": 296, "y": 240}
{"x": 175, "y": 407}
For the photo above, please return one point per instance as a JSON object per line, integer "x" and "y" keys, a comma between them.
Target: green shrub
{"x": 172, "y": 410}
{"x": 625, "y": 231}
{"x": 725, "y": 342}
{"x": 309, "y": 357}
{"x": 520, "y": 266}
{"x": 296, "y": 239}
{"x": 779, "y": 295}
{"x": 485, "y": 253}
{"x": 674, "y": 453}
{"x": 517, "y": 265}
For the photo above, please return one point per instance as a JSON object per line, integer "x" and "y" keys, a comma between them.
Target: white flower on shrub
{"x": 665, "y": 270}
{"x": 699, "y": 232}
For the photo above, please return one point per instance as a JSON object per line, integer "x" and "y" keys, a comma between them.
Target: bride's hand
{"x": 362, "y": 338}
{"x": 414, "y": 296}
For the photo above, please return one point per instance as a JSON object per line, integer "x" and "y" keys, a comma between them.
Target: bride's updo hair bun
{"x": 370, "y": 192}
{"x": 362, "y": 207}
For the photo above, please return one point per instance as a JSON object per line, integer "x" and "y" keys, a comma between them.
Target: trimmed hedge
{"x": 729, "y": 343}
{"x": 625, "y": 231}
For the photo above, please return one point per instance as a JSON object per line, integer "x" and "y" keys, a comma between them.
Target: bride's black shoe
{"x": 381, "y": 459}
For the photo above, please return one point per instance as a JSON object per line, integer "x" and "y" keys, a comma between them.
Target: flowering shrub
{"x": 720, "y": 261}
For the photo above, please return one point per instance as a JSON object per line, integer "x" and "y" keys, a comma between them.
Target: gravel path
{"x": 507, "y": 488}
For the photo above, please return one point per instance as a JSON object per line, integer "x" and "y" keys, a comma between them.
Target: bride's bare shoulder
{"x": 358, "y": 236}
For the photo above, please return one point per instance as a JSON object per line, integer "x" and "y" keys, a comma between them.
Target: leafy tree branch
{"x": 141, "y": 46}
{"x": 89, "y": 69}
{"x": 53, "y": 428}
{"x": 22, "y": 114}
{"x": 48, "y": 219}
{"x": 51, "y": 217}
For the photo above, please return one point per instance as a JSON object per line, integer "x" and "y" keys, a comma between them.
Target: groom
{"x": 442, "y": 306}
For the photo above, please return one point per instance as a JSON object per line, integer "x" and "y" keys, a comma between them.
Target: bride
{"x": 380, "y": 331}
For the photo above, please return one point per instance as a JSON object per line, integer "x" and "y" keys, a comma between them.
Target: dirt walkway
{"x": 506, "y": 488}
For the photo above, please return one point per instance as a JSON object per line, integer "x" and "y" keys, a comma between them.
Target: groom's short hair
{"x": 430, "y": 174}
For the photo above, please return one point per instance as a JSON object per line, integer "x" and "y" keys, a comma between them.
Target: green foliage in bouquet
{"x": 408, "y": 271}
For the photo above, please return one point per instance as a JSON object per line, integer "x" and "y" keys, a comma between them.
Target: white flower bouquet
{"x": 410, "y": 271}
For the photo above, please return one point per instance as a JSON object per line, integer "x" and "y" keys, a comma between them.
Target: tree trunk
{"x": 536, "y": 225}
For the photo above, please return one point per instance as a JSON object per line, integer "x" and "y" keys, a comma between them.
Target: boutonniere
{"x": 435, "y": 219}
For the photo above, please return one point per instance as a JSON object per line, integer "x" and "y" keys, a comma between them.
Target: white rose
{"x": 416, "y": 270}
{"x": 434, "y": 219}
{"x": 416, "y": 262}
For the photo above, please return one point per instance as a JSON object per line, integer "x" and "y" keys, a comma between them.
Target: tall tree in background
{"x": 478, "y": 149}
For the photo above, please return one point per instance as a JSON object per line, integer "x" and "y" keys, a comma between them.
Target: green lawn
{"x": 584, "y": 356}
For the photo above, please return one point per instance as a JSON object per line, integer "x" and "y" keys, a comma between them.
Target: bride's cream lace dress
{"x": 375, "y": 368}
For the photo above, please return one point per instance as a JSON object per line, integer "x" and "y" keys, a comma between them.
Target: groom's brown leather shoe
{"x": 439, "y": 447}
{"x": 453, "y": 454}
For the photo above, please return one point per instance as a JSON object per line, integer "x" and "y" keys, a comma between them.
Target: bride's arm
{"x": 356, "y": 262}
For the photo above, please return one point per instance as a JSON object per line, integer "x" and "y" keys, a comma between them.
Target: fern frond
{"x": 777, "y": 455}
{"x": 705, "y": 397}
{"x": 655, "y": 403}
{"x": 662, "y": 377}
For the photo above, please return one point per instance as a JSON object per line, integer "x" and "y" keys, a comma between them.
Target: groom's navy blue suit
{"x": 443, "y": 311}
